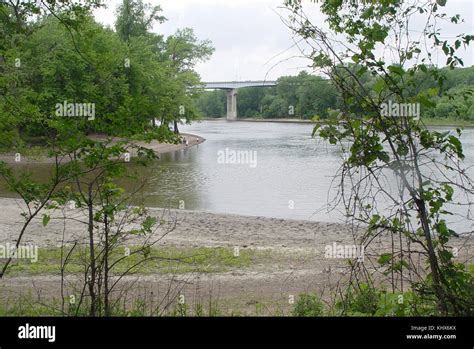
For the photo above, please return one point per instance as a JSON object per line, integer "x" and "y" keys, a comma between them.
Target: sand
{"x": 159, "y": 148}
{"x": 192, "y": 229}
{"x": 296, "y": 261}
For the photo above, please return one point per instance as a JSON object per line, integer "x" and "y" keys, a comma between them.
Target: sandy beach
{"x": 192, "y": 229}
{"x": 294, "y": 260}
{"x": 157, "y": 147}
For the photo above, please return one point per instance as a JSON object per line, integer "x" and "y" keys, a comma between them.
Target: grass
{"x": 27, "y": 308}
{"x": 158, "y": 260}
{"x": 29, "y": 304}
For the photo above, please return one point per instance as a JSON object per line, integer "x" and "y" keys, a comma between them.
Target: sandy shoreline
{"x": 157, "y": 147}
{"x": 192, "y": 229}
{"x": 295, "y": 264}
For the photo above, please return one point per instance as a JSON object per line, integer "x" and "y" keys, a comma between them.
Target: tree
{"x": 379, "y": 145}
{"x": 315, "y": 96}
{"x": 212, "y": 103}
{"x": 54, "y": 62}
{"x": 184, "y": 51}
{"x": 249, "y": 102}
{"x": 134, "y": 19}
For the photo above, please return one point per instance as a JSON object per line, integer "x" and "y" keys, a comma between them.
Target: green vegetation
{"x": 29, "y": 306}
{"x": 159, "y": 260}
{"x": 377, "y": 144}
{"x": 307, "y": 96}
{"x": 62, "y": 56}
{"x": 63, "y": 77}
{"x": 308, "y": 305}
{"x": 366, "y": 301}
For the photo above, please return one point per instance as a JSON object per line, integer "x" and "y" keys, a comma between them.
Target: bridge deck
{"x": 229, "y": 85}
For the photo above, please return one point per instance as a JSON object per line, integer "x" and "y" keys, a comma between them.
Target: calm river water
{"x": 290, "y": 178}
{"x": 288, "y": 174}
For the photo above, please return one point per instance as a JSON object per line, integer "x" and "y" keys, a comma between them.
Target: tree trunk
{"x": 432, "y": 257}
{"x": 106, "y": 265}
{"x": 91, "y": 282}
{"x": 176, "y": 130}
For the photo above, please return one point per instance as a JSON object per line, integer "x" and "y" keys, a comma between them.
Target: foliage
{"x": 426, "y": 164}
{"x": 311, "y": 95}
{"x": 302, "y": 96}
{"x": 64, "y": 77}
{"x": 308, "y": 305}
{"x": 131, "y": 75}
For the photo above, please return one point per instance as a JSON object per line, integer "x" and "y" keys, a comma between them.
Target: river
{"x": 288, "y": 173}
{"x": 291, "y": 177}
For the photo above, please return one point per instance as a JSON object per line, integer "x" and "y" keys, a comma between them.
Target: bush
{"x": 367, "y": 300}
{"x": 308, "y": 305}
{"x": 360, "y": 301}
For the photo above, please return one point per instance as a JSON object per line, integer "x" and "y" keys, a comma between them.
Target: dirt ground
{"x": 295, "y": 261}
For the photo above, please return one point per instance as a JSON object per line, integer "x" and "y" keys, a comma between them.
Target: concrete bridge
{"x": 231, "y": 88}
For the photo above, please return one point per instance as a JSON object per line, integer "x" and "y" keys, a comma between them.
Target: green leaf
{"x": 148, "y": 223}
{"x": 315, "y": 129}
{"x": 379, "y": 86}
{"x": 426, "y": 102}
{"x": 46, "y": 219}
{"x": 457, "y": 145}
{"x": 385, "y": 258}
{"x": 395, "y": 69}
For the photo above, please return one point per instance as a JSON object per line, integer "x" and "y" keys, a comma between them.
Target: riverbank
{"x": 38, "y": 157}
{"x": 449, "y": 122}
{"x": 290, "y": 121}
{"x": 190, "y": 229}
{"x": 427, "y": 121}
{"x": 262, "y": 261}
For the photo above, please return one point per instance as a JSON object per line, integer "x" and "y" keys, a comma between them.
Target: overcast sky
{"x": 250, "y": 39}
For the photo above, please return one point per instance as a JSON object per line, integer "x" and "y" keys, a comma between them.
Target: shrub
{"x": 360, "y": 301}
{"x": 308, "y": 305}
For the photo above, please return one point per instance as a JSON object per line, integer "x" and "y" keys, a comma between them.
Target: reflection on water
{"x": 291, "y": 179}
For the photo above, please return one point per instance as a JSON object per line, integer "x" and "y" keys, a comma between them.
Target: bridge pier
{"x": 231, "y": 90}
{"x": 232, "y": 104}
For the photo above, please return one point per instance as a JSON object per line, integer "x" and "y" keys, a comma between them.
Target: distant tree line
{"x": 307, "y": 96}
